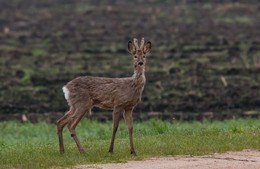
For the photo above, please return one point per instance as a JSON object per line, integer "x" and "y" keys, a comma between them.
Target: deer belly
{"x": 104, "y": 104}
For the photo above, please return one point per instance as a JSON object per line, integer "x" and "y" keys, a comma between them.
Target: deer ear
{"x": 147, "y": 47}
{"x": 131, "y": 47}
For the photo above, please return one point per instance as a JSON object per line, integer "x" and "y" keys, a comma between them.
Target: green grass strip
{"x": 27, "y": 145}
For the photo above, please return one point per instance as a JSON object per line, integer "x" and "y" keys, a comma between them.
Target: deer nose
{"x": 140, "y": 63}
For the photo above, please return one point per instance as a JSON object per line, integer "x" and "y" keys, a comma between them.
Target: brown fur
{"x": 119, "y": 94}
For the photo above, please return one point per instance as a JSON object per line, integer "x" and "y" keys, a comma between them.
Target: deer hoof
{"x": 82, "y": 151}
{"x": 133, "y": 153}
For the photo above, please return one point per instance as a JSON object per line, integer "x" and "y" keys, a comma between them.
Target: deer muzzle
{"x": 140, "y": 63}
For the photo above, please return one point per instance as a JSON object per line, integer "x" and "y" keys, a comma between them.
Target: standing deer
{"x": 119, "y": 94}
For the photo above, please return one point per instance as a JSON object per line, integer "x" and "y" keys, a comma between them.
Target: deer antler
{"x": 136, "y": 43}
{"x": 142, "y": 43}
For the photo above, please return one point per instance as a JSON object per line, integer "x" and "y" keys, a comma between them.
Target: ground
{"x": 249, "y": 159}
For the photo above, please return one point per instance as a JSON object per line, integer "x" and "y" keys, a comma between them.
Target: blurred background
{"x": 204, "y": 63}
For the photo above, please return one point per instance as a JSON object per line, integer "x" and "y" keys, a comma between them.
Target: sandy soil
{"x": 249, "y": 159}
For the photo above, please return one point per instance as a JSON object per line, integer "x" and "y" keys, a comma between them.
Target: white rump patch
{"x": 66, "y": 92}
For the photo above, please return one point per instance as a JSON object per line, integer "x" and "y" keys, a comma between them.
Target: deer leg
{"x": 60, "y": 125}
{"x": 116, "y": 118}
{"x": 72, "y": 125}
{"x": 129, "y": 122}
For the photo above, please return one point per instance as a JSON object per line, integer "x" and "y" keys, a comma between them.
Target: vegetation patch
{"x": 27, "y": 145}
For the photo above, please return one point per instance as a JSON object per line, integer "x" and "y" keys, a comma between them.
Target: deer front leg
{"x": 116, "y": 118}
{"x": 129, "y": 123}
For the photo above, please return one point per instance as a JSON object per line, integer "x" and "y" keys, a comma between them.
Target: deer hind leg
{"x": 80, "y": 112}
{"x": 129, "y": 122}
{"x": 116, "y": 118}
{"x": 60, "y": 125}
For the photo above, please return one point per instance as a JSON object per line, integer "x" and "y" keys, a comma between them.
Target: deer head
{"x": 139, "y": 52}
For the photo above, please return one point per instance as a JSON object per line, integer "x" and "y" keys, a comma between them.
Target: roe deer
{"x": 119, "y": 94}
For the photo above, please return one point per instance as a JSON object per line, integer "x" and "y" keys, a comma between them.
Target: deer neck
{"x": 139, "y": 77}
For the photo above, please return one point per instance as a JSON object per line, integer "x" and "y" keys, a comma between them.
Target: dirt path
{"x": 249, "y": 159}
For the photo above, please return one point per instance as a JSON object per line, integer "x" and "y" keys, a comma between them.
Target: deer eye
{"x": 144, "y": 56}
{"x": 135, "y": 56}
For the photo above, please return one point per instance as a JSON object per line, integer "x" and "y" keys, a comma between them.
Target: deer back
{"x": 104, "y": 92}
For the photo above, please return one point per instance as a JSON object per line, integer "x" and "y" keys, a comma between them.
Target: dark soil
{"x": 204, "y": 63}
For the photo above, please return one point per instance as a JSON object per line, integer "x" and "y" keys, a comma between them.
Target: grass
{"x": 27, "y": 145}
